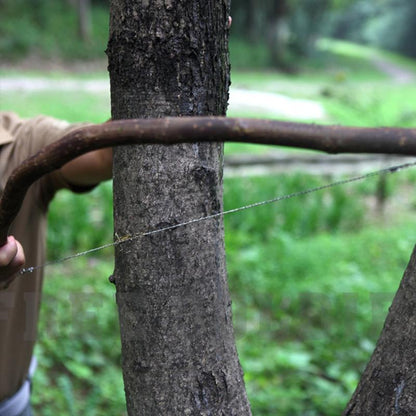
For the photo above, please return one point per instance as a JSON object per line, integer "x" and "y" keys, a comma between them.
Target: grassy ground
{"x": 311, "y": 278}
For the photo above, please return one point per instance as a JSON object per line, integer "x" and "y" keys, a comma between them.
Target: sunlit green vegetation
{"x": 311, "y": 280}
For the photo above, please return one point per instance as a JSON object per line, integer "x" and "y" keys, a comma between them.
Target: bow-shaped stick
{"x": 330, "y": 139}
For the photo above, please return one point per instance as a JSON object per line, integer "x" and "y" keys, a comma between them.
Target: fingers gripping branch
{"x": 12, "y": 258}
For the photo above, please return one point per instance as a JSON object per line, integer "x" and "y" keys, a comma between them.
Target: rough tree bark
{"x": 388, "y": 385}
{"x": 170, "y": 58}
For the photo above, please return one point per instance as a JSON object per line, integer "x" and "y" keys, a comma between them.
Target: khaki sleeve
{"x": 33, "y": 135}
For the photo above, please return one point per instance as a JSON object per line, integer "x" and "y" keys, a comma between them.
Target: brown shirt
{"x": 19, "y": 304}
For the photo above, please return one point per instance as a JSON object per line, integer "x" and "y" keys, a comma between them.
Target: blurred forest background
{"x": 311, "y": 278}
{"x": 273, "y": 33}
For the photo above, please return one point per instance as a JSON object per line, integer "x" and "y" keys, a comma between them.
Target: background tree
{"x": 388, "y": 384}
{"x": 84, "y": 20}
{"x": 283, "y": 30}
{"x": 388, "y": 24}
{"x": 286, "y": 27}
{"x": 179, "y": 355}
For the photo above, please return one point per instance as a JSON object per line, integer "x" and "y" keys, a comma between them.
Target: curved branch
{"x": 166, "y": 131}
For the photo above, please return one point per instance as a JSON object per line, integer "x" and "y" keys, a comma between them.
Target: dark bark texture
{"x": 388, "y": 385}
{"x": 170, "y": 58}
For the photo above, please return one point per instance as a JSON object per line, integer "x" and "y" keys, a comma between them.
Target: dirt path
{"x": 247, "y": 101}
{"x": 397, "y": 73}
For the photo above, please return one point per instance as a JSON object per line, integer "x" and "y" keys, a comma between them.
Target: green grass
{"x": 308, "y": 311}
{"x": 311, "y": 278}
{"x": 387, "y": 105}
{"x": 363, "y": 53}
{"x": 79, "y": 346}
{"x": 73, "y": 106}
{"x": 343, "y": 78}
{"x": 361, "y": 104}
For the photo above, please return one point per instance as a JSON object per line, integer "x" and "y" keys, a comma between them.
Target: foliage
{"x": 308, "y": 312}
{"x": 275, "y": 33}
{"x": 48, "y": 29}
{"x": 311, "y": 280}
{"x": 246, "y": 55}
{"x": 79, "y": 348}
{"x": 286, "y": 29}
{"x": 81, "y": 215}
{"x": 333, "y": 211}
{"x": 386, "y": 24}
{"x": 393, "y": 27}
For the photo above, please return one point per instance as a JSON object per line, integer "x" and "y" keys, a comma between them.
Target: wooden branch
{"x": 167, "y": 131}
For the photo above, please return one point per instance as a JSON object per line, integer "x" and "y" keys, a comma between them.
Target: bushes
{"x": 310, "y": 280}
{"x": 88, "y": 221}
{"x": 309, "y": 302}
{"x": 49, "y": 30}
{"x": 387, "y": 24}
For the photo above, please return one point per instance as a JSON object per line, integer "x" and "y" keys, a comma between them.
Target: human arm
{"x": 90, "y": 168}
{"x": 79, "y": 174}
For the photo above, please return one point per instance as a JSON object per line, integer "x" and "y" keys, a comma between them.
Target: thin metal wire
{"x": 127, "y": 238}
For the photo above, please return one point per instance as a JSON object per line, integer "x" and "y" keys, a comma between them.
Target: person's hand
{"x": 12, "y": 258}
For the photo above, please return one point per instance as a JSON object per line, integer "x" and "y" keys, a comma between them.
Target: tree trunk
{"x": 170, "y": 58}
{"x": 388, "y": 385}
{"x": 277, "y": 35}
{"x": 84, "y": 20}
{"x": 251, "y": 24}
